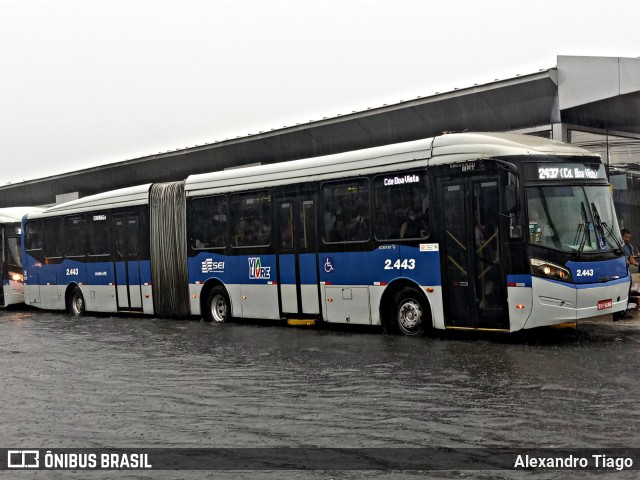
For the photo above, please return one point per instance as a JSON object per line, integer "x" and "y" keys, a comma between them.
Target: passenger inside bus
{"x": 338, "y": 233}
{"x": 359, "y": 226}
{"x": 415, "y": 226}
{"x": 383, "y": 229}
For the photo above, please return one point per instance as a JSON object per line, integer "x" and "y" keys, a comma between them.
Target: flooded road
{"x": 133, "y": 382}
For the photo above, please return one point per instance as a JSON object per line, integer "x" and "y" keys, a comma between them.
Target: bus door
{"x": 298, "y": 282}
{"x": 12, "y": 263}
{"x": 3, "y": 265}
{"x": 127, "y": 261}
{"x": 474, "y": 289}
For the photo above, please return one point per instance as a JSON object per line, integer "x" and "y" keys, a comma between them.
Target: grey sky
{"x": 88, "y": 82}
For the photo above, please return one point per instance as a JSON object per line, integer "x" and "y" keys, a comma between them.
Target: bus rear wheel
{"x": 411, "y": 315}
{"x": 75, "y": 304}
{"x": 218, "y": 308}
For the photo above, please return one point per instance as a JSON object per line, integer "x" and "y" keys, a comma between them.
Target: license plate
{"x": 603, "y": 304}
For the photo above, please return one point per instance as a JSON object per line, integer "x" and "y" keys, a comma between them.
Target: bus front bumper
{"x": 554, "y": 302}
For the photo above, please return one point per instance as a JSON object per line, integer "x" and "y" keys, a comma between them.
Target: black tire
{"x": 411, "y": 315}
{"x": 75, "y": 303}
{"x": 217, "y": 309}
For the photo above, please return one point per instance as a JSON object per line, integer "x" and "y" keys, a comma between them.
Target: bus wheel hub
{"x": 409, "y": 314}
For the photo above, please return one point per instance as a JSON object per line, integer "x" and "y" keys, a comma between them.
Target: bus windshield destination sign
{"x": 569, "y": 172}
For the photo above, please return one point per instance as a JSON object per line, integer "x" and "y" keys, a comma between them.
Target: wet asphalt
{"x": 132, "y": 382}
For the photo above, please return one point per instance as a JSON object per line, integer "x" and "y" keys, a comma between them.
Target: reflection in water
{"x": 102, "y": 381}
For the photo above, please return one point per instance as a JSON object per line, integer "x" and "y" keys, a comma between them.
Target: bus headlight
{"x": 16, "y": 277}
{"x": 549, "y": 270}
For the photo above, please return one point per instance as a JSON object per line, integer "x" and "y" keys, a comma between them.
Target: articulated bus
{"x": 11, "y": 267}
{"x": 477, "y": 231}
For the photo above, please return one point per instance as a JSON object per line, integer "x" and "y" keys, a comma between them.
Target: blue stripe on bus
{"x": 96, "y": 273}
{"x": 595, "y": 272}
{"x": 240, "y": 269}
{"x": 287, "y": 269}
{"x": 383, "y": 265}
{"x": 101, "y": 273}
{"x": 308, "y": 269}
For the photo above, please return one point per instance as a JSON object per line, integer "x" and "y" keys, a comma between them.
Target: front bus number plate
{"x": 603, "y": 304}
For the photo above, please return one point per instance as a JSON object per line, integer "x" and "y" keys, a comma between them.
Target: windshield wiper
{"x": 599, "y": 228}
{"x": 583, "y": 231}
{"x": 602, "y": 226}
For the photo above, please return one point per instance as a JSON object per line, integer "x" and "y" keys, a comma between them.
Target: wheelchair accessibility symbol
{"x": 328, "y": 264}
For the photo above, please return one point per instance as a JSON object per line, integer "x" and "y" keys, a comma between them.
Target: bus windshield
{"x": 13, "y": 252}
{"x": 572, "y": 218}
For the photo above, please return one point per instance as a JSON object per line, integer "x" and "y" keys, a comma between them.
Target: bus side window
{"x": 76, "y": 237}
{"x": 33, "y": 236}
{"x": 98, "y": 234}
{"x": 53, "y": 238}
{"x": 347, "y": 216}
{"x": 208, "y": 222}
{"x": 250, "y": 219}
{"x": 401, "y": 203}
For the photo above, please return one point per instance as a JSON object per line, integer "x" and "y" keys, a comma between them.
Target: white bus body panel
{"x": 260, "y": 301}
{"x": 588, "y": 298}
{"x": 100, "y": 298}
{"x": 289, "y": 298}
{"x": 147, "y": 299}
{"x": 518, "y": 316}
{"x": 195, "y": 290}
{"x": 309, "y": 294}
{"x": 437, "y": 307}
{"x": 13, "y": 293}
{"x": 52, "y": 297}
{"x": 554, "y": 303}
{"x": 347, "y": 304}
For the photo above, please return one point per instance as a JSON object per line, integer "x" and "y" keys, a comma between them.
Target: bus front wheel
{"x": 218, "y": 308}
{"x": 75, "y": 305}
{"x": 411, "y": 315}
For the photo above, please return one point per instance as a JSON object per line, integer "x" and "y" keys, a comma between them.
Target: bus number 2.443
{"x": 584, "y": 273}
{"x": 407, "y": 264}
{"x": 73, "y": 271}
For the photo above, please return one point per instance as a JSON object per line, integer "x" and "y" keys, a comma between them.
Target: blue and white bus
{"x": 478, "y": 231}
{"x": 10, "y": 258}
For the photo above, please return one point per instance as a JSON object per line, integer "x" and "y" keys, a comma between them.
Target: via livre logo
{"x": 257, "y": 271}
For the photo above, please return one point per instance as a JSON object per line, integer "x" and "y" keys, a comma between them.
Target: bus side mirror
{"x": 510, "y": 199}
{"x": 511, "y": 207}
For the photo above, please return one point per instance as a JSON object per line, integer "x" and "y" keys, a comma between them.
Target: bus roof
{"x": 449, "y": 148}
{"x": 467, "y": 146}
{"x": 444, "y": 149}
{"x": 336, "y": 165}
{"x": 15, "y": 214}
{"x": 138, "y": 195}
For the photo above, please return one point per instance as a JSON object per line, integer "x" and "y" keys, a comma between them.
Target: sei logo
{"x": 209, "y": 266}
